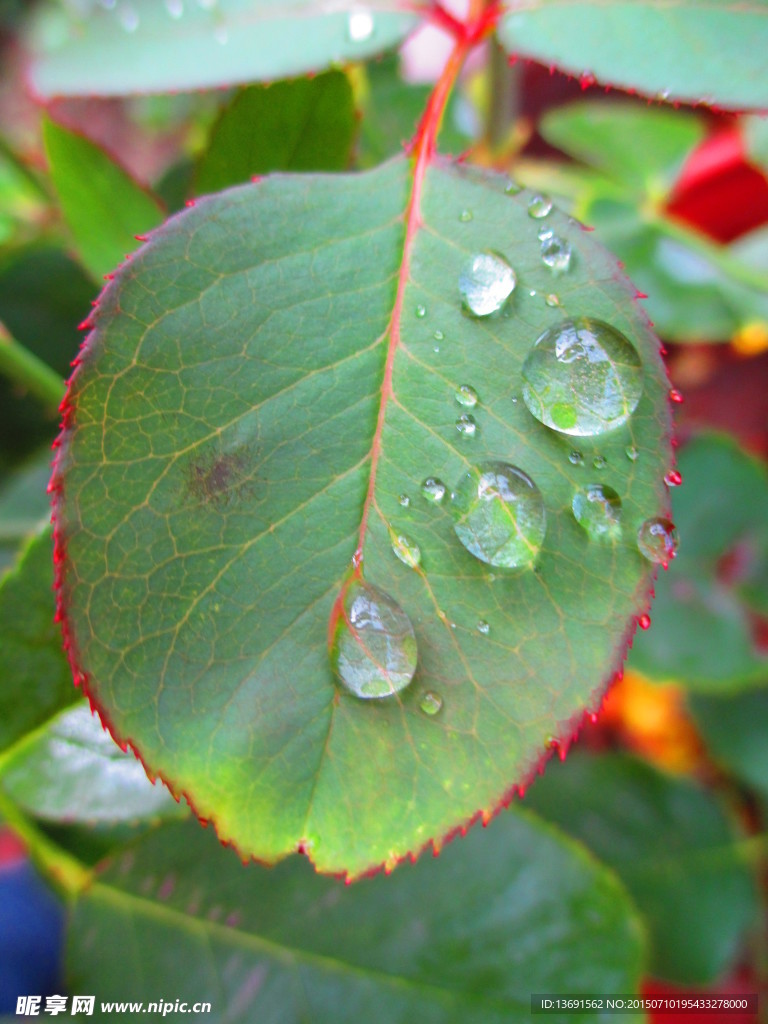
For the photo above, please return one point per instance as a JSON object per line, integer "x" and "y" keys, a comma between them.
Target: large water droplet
{"x": 556, "y": 254}
{"x": 657, "y": 540}
{"x": 359, "y": 26}
{"x": 431, "y": 703}
{"x": 466, "y": 425}
{"x": 433, "y": 489}
{"x": 582, "y": 377}
{"x": 485, "y": 283}
{"x": 499, "y": 515}
{"x": 373, "y": 649}
{"x": 466, "y": 396}
{"x": 539, "y": 206}
{"x": 408, "y": 552}
{"x": 598, "y": 510}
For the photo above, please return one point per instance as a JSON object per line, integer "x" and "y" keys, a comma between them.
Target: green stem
{"x": 25, "y": 369}
{"x": 503, "y": 89}
{"x": 8, "y": 153}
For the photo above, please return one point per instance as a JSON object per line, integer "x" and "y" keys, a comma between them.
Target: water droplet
{"x": 431, "y": 703}
{"x": 532, "y": 293}
{"x": 483, "y": 627}
{"x": 512, "y": 188}
{"x": 485, "y": 283}
{"x": 438, "y": 335}
{"x": 576, "y": 458}
{"x": 552, "y": 300}
{"x": 556, "y": 254}
{"x": 673, "y": 478}
{"x": 582, "y": 377}
{"x": 539, "y": 206}
{"x": 599, "y": 462}
{"x": 466, "y": 396}
{"x": 675, "y": 396}
{"x": 657, "y": 540}
{"x": 420, "y": 311}
{"x": 465, "y": 216}
{"x": 545, "y": 232}
{"x": 408, "y": 552}
{"x": 175, "y": 8}
{"x": 644, "y": 622}
{"x": 359, "y": 26}
{"x": 373, "y": 650}
{"x": 128, "y": 17}
{"x": 499, "y": 513}
{"x": 466, "y": 425}
{"x": 433, "y": 489}
{"x": 632, "y": 453}
{"x": 598, "y": 510}
{"x": 404, "y": 500}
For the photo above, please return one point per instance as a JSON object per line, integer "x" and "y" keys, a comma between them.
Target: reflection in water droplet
{"x": 598, "y": 510}
{"x": 485, "y": 283}
{"x": 431, "y": 703}
{"x": 499, "y": 515}
{"x": 373, "y": 648}
{"x": 404, "y": 500}
{"x": 556, "y": 254}
{"x": 657, "y": 540}
{"x": 552, "y": 300}
{"x": 483, "y": 627}
{"x": 466, "y": 396}
{"x": 632, "y": 453}
{"x": 438, "y": 335}
{"x": 465, "y": 216}
{"x": 408, "y": 552}
{"x": 539, "y": 206}
{"x": 582, "y": 377}
{"x": 359, "y": 26}
{"x": 433, "y": 489}
{"x": 599, "y": 462}
{"x": 576, "y": 458}
{"x": 466, "y": 425}
{"x": 420, "y": 311}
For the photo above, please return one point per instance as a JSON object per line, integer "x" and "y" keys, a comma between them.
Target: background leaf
{"x": 213, "y": 477}
{"x": 686, "y": 51}
{"x": 103, "y": 206}
{"x": 439, "y": 941}
{"x": 733, "y": 728}
{"x": 24, "y": 505}
{"x": 671, "y": 845}
{"x": 143, "y": 48}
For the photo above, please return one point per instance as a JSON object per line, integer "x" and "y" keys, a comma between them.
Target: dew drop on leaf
{"x": 404, "y": 501}
{"x": 359, "y": 26}
{"x": 421, "y": 311}
{"x": 438, "y": 335}
{"x": 373, "y": 646}
{"x": 499, "y": 515}
{"x": 552, "y": 300}
{"x": 466, "y": 396}
{"x": 599, "y": 462}
{"x": 465, "y": 216}
{"x": 466, "y": 425}
{"x": 433, "y": 489}
{"x": 657, "y": 540}
{"x": 644, "y": 622}
{"x": 582, "y": 377}
{"x": 632, "y": 453}
{"x": 431, "y": 703}
{"x": 576, "y": 458}
{"x": 556, "y": 254}
{"x": 539, "y": 206}
{"x": 512, "y": 188}
{"x": 485, "y": 283}
{"x": 408, "y": 552}
{"x": 673, "y": 478}
{"x": 597, "y": 509}
{"x": 483, "y": 627}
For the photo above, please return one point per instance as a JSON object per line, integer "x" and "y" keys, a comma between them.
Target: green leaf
{"x": 734, "y": 731}
{"x": 219, "y": 449}
{"x": 710, "y": 53}
{"x": 307, "y": 124}
{"x": 38, "y": 681}
{"x": 24, "y": 505}
{"x": 143, "y": 48}
{"x": 72, "y": 771}
{"x": 103, "y": 206}
{"x": 391, "y": 110}
{"x": 644, "y": 149}
{"x": 702, "y": 633}
{"x": 440, "y": 941}
{"x": 671, "y": 845}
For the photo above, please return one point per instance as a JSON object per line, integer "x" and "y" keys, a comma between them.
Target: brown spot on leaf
{"x": 218, "y": 478}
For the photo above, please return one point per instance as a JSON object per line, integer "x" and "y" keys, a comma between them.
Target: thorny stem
{"x": 25, "y": 369}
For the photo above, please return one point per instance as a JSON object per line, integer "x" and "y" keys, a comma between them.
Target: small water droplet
{"x": 466, "y": 396}
{"x": 433, "y": 489}
{"x": 673, "y": 478}
{"x": 408, "y": 552}
{"x": 438, "y": 336}
{"x": 599, "y": 462}
{"x": 657, "y": 540}
{"x": 532, "y": 293}
{"x": 420, "y": 311}
{"x": 598, "y": 510}
{"x": 582, "y": 377}
{"x": 539, "y": 206}
{"x": 512, "y": 188}
{"x": 373, "y": 649}
{"x": 644, "y": 622}
{"x": 485, "y": 283}
{"x": 404, "y": 500}
{"x": 576, "y": 458}
{"x": 499, "y": 515}
{"x": 545, "y": 232}
{"x": 483, "y": 627}
{"x": 128, "y": 17}
{"x": 359, "y": 26}
{"x": 632, "y": 453}
{"x": 552, "y": 300}
{"x": 465, "y": 216}
{"x": 466, "y": 425}
{"x": 675, "y": 396}
{"x": 431, "y": 703}
{"x": 556, "y": 254}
